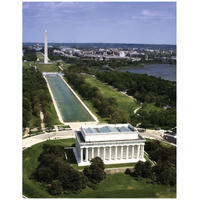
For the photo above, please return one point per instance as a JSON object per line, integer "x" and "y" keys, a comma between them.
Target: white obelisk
{"x": 45, "y": 48}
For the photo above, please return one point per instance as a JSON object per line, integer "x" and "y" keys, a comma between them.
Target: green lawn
{"x": 42, "y": 67}
{"x": 164, "y": 144}
{"x": 124, "y": 186}
{"x": 30, "y": 155}
{"x": 125, "y": 103}
{"x": 115, "y": 185}
{"x": 47, "y": 67}
{"x": 151, "y": 106}
{"x": 40, "y": 56}
{"x": 64, "y": 65}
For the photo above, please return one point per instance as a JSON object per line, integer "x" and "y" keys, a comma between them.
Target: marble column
{"x": 98, "y": 151}
{"x": 109, "y": 153}
{"x": 132, "y": 156}
{"x": 121, "y": 152}
{"x": 86, "y": 155}
{"x": 81, "y": 155}
{"x": 104, "y": 154}
{"x": 138, "y": 152}
{"x": 116, "y": 153}
{"x": 126, "y": 152}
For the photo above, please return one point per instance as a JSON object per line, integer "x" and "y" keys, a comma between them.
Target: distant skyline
{"x": 100, "y": 22}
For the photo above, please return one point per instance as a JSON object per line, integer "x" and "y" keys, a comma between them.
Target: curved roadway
{"x": 29, "y": 141}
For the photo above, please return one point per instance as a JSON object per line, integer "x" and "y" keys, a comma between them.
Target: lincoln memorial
{"x": 113, "y": 143}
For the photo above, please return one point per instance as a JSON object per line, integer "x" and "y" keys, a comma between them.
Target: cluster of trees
{"x": 95, "y": 172}
{"x": 160, "y": 153}
{"x": 57, "y": 173}
{"x": 164, "y": 118}
{"x": 164, "y": 171}
{"x": 29, "y": 55}
{"x": 58, "y": 176}
{"x": 143, "y": 87}
{"x": 146, "y": 89}
{"x": 36, "y": 97}
{"x": 107, "y": 107}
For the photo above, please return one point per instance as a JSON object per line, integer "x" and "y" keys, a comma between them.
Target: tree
{"x": 138, "y": 168}
{"x": 56, "y": 187}
{"x": 143, "y": 169}
{"x": 167, "y": 176}
{"x": 95, "y": 173}
{"x": 48, "y": 119}
{"x": 45, "y": 174}
{"x": 71, "y": 179}
{"x": 87, "y": 172}
{"x": 147, "y": 170}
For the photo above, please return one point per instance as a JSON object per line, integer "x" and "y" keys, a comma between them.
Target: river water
{"x": 69, "y": 106}
{"x": 165, "y": 71}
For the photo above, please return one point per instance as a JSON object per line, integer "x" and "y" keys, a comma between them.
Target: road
{"x": 156, "y": 135}
{"x": 29, "y": 141}
{"x": 152, "y": 134}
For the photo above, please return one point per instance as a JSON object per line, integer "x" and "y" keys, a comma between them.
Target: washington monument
{"x": 45, "y": 48}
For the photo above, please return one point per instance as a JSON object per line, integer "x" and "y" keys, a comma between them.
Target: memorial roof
{"x": 109, "y": 129}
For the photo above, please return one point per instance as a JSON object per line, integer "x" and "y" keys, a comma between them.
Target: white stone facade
{"x": 45, "y": 48}
{"x": 113, "y": 143}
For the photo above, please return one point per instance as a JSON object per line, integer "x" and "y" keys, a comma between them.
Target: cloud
{"x": 147, "y": 16}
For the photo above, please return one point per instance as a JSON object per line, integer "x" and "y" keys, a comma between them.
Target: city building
{"x": 113, "y": 143}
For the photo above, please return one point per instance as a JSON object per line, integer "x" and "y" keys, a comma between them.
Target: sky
{"x": 105, "y": 22}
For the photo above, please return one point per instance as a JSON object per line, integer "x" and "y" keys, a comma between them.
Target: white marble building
{"x": 113, "y": 143}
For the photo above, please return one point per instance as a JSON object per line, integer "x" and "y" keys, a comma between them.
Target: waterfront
{"x": 69, "y": 106}
{"x": 165, "y": 71}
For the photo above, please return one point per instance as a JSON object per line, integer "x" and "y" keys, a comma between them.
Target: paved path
{"x": 152, "y": 134}
{"x": 155, "y": 135}
{"x": 42, "y": 121}
{"x": 27, "y": 142}
{"x": 135, "y": 111}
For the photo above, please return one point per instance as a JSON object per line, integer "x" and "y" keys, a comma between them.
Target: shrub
{"x": 128, "y": 171}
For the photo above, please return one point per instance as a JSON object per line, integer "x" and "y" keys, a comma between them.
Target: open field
{"x": 125, "y": 103}
{"x": 151, "y": 106}
{"x": 40, "y": 56}
{"x": 164, "y": 144}
{"x": 47, "y": 67}
{"x": 42, "y": 67}
{"x": 116, "y": 185}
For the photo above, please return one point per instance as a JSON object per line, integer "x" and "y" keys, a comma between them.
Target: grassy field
{"x": 42, "y": 67}
{"x": 47, "y": 67}
{"x": 125, "y": 103}
{"x": 164, "y": 144}
{"x": 40, "y": 56}
{"x": 115, "y": 186}
{"x": 151, "y": 106}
